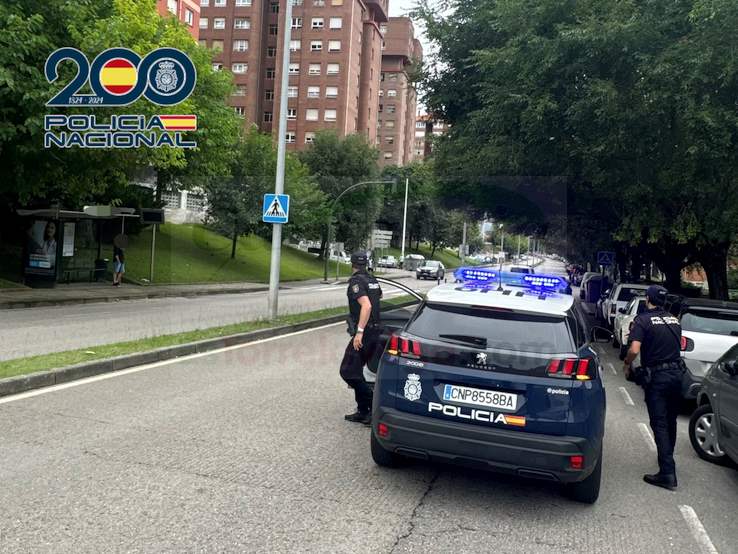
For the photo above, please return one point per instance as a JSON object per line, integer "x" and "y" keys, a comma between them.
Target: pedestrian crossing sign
{"x": 276, "y": 208}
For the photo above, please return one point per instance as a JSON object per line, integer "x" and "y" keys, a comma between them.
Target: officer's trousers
{"x": 352, "y": 368}
{"x": 663, "y": 399}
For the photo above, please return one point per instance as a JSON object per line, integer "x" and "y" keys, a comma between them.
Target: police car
{"x": 495, "y": 373}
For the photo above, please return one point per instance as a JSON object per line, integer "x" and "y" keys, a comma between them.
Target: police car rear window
{"x": 500, "y": 329}
{"x": 710, "y": 321}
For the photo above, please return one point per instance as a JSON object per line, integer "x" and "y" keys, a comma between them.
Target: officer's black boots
{"x": 359, "y": 417}
{"x": 664, "y": 481}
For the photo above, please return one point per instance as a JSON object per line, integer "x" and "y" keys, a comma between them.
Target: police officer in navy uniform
{"x": 363, "y": 294}
{"x": 656, "y": 336}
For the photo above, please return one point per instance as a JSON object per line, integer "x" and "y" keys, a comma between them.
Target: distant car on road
{"x": 387, "y": 261}
{"x": 709, "y": 329}
{"x": 623, "y": 321}
{"x": 619, "y": 297}
{"x": 713, "y": 427}
{"x": 522, "y": 269}
{"x": 431, "y": 269}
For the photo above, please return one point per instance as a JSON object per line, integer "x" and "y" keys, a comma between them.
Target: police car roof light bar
{"x": 475, "y": 275}
{"x": 542, "y": 282}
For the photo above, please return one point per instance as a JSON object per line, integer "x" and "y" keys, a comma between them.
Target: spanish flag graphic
{"x": 179, "y": 122}
{"x": 118, "y": 76}
{"x": 518, "y": 421}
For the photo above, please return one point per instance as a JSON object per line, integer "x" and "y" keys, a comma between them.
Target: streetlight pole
{"x": 404, "y": 222}
{"x": 281, "y": 153}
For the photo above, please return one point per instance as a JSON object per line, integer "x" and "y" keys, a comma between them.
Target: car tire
{"x": 588, "y": 490}
{"x": 381, "y": 456}
{"x": 705, "y": 443}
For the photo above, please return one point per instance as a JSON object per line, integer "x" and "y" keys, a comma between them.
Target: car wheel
{"x": 381, "y": 456}
{"x": 703, "y": 435}
{"x": 587, "y": 491}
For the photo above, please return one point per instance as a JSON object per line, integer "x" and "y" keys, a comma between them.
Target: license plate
{"x": 480, "y": 397}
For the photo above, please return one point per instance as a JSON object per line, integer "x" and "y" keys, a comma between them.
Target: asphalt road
{"x": 246, "y": 450}
{"x": 41, "y": 330}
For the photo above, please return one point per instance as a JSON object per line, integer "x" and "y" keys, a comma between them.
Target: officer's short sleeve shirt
{"x": 659, "y": 334}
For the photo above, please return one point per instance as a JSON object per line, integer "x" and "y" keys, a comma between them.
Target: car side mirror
{"x": 731, "y": 368}
{"x": 600, "y": 334}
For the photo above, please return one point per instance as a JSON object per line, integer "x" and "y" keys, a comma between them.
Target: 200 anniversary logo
{"x": 119, "y": 77}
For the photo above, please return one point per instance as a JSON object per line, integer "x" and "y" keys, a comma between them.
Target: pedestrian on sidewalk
{"x": 119, "y": 260}
{"x": 656, "y": 336}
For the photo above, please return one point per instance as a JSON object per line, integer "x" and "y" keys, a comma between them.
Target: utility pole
{"x": 463, "y": 243}
{"x": 404, "y": 222}
{"x": 281, "y": 153}
{"x": 519, "y": 247}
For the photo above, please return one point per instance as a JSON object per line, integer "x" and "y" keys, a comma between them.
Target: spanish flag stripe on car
{"x": 179, "y": 122}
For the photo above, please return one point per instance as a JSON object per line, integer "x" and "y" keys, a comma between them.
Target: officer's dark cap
{"x": 359, "y": 259}
{"x": 656, "y": 295}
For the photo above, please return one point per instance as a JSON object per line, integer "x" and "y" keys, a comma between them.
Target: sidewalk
{"x": 86, "y": 293}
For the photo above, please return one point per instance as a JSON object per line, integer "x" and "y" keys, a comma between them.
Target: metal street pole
{"x": 463, "y": 243}
{"x": 404, "y": 222}
{"x": 281, "y": 153}
{"x": 153, "y": 249}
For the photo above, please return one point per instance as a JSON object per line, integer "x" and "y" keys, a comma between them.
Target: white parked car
{"x": 623, "y": 321}
{"x": 619, "y": 297}
{"x": 387, "y": 261}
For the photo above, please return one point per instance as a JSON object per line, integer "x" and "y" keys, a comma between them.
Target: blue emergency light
{"x": 542, "y": 282}
{"x": 473, "y": 275}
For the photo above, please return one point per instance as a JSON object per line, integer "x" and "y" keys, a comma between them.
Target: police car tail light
{"x": 576, "y": 368}
{"x": 393, "y": 347}
{"x": 400, "y": 346}
{"x": 383, "y": 430}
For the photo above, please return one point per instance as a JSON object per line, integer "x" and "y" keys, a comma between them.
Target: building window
{"x": 388, "y": 155}
{"x": 329, "y": 115}
{"x": 334, "y": 46}
{"x": 290, "y": 137}
{"x": 314, "y": 69}
{"x": 336, "y": 23}
{"x": 297, "y": 2}
{"x": 391, "y": 93}
{"x": 297, "y": 22}
{"x": 270, "y": 73}
{"x": 294, "y": 45}
{"x": 172, "y": 6}
{"x": 274, "y": 8}
{"x": 217, "y": 66}
{"x": 291, "y": 114}
{"x": 219, "y": 23}
{"x": 381, "y": 108}
{"x": 240, "y": 45}
{"x": 267, "y": 117}
{"x": 292, "y": 92}
{"x": 271, "y": 51}
{"x": 268, "y": 95}
{"x": 313, "y": 92}
{"x": 390, "y": 124}
{"x": 239, "y": 67}
{"x": 309, "y": 138}
{"x": 392, "y": 76}
{"x": 240, "y": 110}
{"x": 189, "y": 17}
{"x": 316, "y": 45}
{"x": 219, "y": 3}
{"x": 217, "y": 45}
{"x": 381, "y": 93}
{"x": 316, "y": 23}
{"x": 203, "y": 23}
{"x": 391, "y": 108}
{"x": 202, "y": 42}
{"x": 204, "y": 3}
{"x": 243, "y": 2}
{"x": 332, "y": 69}
{"x": 242, "y": 23}
{"x": 336, "y": 2}
{"x": 240, "y": 90}
{"x": 382, "y": 28}
{"x": 311, "y": 114}
{"x": 420, "y": 125}
{"x": 382, "y": 76}
{"x": 294, "y": 69}
{"x": 331, "y": 92}
{"x": 319, "y": 3}
{"x": 389, "y": 140}
{"x": 273, "y": 29}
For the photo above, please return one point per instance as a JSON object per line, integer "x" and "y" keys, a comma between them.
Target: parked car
{"x": 619, "y": 297}
{"x": 521, "y": 269}
{"x": 709, "y": 329}
{"x": 599, "y": 308}
{"x": 713, "y": 427}
{"x": 624, "y": 321}
{"x": 431, "y": 269}
{"x": 387, "y": 261}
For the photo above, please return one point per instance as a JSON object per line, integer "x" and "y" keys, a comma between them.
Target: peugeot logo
{"x": 482, "y": 358}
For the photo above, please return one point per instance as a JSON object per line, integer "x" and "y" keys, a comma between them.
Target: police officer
{"x": 656, "y": 336}
{"x": 363, "y": 294}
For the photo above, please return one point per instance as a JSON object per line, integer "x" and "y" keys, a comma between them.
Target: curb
{"x": 23, "y": 383}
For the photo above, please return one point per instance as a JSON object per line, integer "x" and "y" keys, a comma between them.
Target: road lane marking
{"x": 88, "y": 380}
{"x": 612, "y": 368}
{"x": 626, "y": 397}
{"x": 646, "y": 432}
{"x": 698, "y": 530}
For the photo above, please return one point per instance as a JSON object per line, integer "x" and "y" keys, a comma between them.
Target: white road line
{"x": 698, "y": 531}
{"x": 612, "y": 368}
{"x": 46, "y": 390}
{"x": 646, "y": 432}
{"x": 626, "y": 397}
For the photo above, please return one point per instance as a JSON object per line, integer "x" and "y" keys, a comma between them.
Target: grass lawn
{"x": 194, "y": 254}
{"x": 31, "y": 364}
{"x": 5, "y": 284}
{"x": 447, "y": 257}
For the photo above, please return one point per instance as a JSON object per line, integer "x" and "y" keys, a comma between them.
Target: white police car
{"x": 494, "y": 372}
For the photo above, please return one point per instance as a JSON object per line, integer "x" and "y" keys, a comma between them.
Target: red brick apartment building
{"x": 426, "y": 129}
{"x": 187, "y": 11}
{"x": 335, "y": 62}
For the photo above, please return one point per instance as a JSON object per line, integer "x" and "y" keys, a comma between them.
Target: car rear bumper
{"x": 501, "y": 450}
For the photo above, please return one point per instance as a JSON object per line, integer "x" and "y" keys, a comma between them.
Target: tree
{"x": 337, "y": 163}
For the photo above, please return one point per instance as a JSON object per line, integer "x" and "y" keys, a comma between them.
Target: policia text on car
{"x": 363, "y": 294}
{"x": 656, "y": 336}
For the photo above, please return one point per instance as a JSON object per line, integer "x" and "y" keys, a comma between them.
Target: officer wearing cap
{"x": 363, "y": 294}
{"x": 656, "y": 336}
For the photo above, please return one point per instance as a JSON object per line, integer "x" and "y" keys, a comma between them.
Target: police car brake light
{"x": 576, "y": 462}
{"x": 576, "y": 368}
{"x": 400, "y": 346}
{"x": 476, "y": 275}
